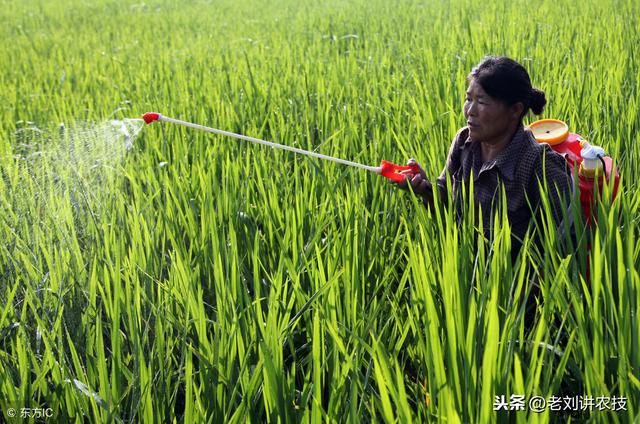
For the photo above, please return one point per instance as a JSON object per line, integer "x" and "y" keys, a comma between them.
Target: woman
{"x": 496, "y": 150}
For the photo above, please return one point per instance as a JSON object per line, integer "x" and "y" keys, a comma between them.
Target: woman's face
{"x": 489, "y": 119}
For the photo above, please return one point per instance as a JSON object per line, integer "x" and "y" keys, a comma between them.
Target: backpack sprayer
{"x": 386, "y": 169}
{"x": 591, "y": 161}
{"x": 594, "y": 168}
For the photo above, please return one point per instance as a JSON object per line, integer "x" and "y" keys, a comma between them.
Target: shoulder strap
{"x": 528, "y": 162}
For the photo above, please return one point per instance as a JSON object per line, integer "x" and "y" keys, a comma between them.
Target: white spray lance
{"x": 386, "y": 169}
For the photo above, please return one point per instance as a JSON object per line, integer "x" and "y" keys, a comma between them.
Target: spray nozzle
{"x": 149, "y": 117}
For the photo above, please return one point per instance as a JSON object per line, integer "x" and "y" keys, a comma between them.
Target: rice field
{"x": 161, "y": 274}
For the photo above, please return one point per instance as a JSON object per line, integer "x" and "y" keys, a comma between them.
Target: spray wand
{"x": 386, "y": 169}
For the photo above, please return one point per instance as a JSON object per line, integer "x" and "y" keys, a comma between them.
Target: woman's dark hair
{"x": 507, "y": 80}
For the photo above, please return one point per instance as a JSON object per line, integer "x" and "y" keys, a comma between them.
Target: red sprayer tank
{"x": 594, "y": 168}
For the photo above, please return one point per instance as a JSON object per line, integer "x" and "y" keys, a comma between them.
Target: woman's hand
{"x": 418, "y": 182}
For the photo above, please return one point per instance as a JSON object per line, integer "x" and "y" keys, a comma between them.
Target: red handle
{"x": 393, "y": 172}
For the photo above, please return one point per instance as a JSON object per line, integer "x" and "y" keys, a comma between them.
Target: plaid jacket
{"x": 518, "y": 168}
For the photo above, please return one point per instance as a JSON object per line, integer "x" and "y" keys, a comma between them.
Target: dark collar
{"x": 507, "y": 160}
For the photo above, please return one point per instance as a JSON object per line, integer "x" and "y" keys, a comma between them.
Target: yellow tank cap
{"x": 551, "y": 131}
